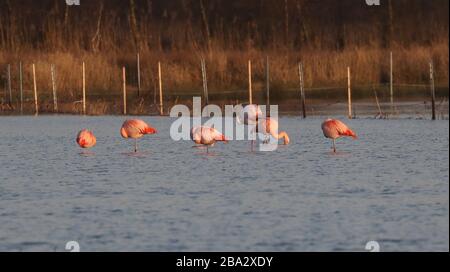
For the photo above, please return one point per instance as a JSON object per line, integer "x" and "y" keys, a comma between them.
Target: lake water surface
{"x": 390, "y": 186}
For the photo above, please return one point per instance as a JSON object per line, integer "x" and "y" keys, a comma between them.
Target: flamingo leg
{"x": 267, "y": 139}
{"x": 135, "y": 146}
{"x": 334, "y": 145}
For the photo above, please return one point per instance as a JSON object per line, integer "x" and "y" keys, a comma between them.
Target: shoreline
{"x": 412, "y": 108}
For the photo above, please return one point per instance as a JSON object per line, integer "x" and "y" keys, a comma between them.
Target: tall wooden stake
{"x": 84, "y": 88}
{"x": 9, "y": 85}
{"x": 391, "y": 83}
{"x": 139, "y": 73}
{"x": 21, "y": 87}
{"x": 55, "y": 99}
{"x": 205, "y": 82}
{"x": 250, "y": 88}
{"x": 267, "y": 87}
{"x": 124, "y": 80}
{"x": 302, "y": 89}
{"x": 380, "y": 112}
{"x": 161, "y": 105}
{"x": 433, "y": 92}
{"x": 350, "y": 114}
{"x": 35, "y": 91}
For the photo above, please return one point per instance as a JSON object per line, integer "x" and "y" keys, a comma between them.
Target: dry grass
{"x": 227, "y": 70}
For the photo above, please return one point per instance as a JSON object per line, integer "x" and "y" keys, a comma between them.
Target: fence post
{"x": 391, "y": 83}
{"x": 250, "y": 87}
{"x": 302, "y": 89}
{"x": 55, "y": 99}
{"x": 9, "y": 85}
{"x": 350, "y": 114}
{"x": 161, "y": 102}
{"x": 35, "y": 91}
{"x": 139, "y": 73}
{"x": 433, "y": 92}
{"x": 124, "y": 80}
{"x": 205, "y": 82}
{"x": 84, "y": 88}
{"x": 267, "y": 87}
{"x": 21, "y": 87}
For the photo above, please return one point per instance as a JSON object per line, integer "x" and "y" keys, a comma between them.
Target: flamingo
{"x": 334, "y": 129}
{"x": 136, "y": 129}
{"x": 86, "y": 139}
{"x": 207, "y": 136}
{"x": 269, "y": 126}
{"x": 250, "y": 115}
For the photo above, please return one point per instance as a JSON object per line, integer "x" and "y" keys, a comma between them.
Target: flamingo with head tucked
{"x": 269, "y": 127}
{"x": 334, "y": 129}
{"x": 207, "y": 136}
{"x": 136, "y": 129}
{"x": 86, "y": 139}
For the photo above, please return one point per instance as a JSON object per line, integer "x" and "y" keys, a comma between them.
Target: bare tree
{"x": 96, "y": 40}
{"x": 206, "y": 25}
{"x": 134, "y": 26}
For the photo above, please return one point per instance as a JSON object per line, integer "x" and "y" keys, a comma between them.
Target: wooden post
{"x": 433, "y": 92}
{"x": 55, "y": 99}
{"x": 302, "y": 89}
{"x": 35, "y": 91}
{"x": 267, "y": 87}
{"x": 139, "y": 73}
{"x": 250, "y": 88}
{"x": 21, "y": 87}
{"x": 84, "y": 88}
{"x": 161, "y": 105}
{"x": 124, "y": 80}
{"x": 9, "y": 85}
{"x": 391, "y": 83}
{"x": 205, "y": 82}
{"x": 380, "y": 112}
{"x": 350, "y": 114}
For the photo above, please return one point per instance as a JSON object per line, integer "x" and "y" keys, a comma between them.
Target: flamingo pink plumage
{"x": 136, "y": 129}
{"x": 86, "y": 139}
{"x": 334, "y": 129}
{"x": 208, "y": 136}
{"x": 269, "y": 126}
{"x": 250, "y": 115}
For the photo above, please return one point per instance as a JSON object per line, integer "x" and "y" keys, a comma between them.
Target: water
{"x": 390, "y": 186}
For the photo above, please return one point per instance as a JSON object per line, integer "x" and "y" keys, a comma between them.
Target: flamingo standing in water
{"x": 334, "y": 129}
{"x": 250, "y": 115}
{"x": 207, "y": 136}
{"x": 86, "y": 139}
{"x": 269, "y": 127}
{"x": 136, "y": 129}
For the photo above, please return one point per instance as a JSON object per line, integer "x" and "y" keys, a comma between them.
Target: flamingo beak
{"x": 225, "y": 140}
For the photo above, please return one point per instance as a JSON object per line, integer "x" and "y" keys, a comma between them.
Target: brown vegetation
{"x": 326, "y": 35}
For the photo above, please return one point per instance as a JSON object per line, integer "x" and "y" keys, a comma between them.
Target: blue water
{"x": 390, "y": 186}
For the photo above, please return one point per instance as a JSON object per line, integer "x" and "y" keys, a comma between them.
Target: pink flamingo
{"x": 269, "y": 126}
{"x": 250, "y": 115}
{"x": 136, "y": 129}
{"x": 207, "y": 136}
{"x": 334, "y": 129}
{"x": 86, "y": 139}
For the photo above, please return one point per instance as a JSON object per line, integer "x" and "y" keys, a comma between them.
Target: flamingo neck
{"x": 283, "y": 135}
